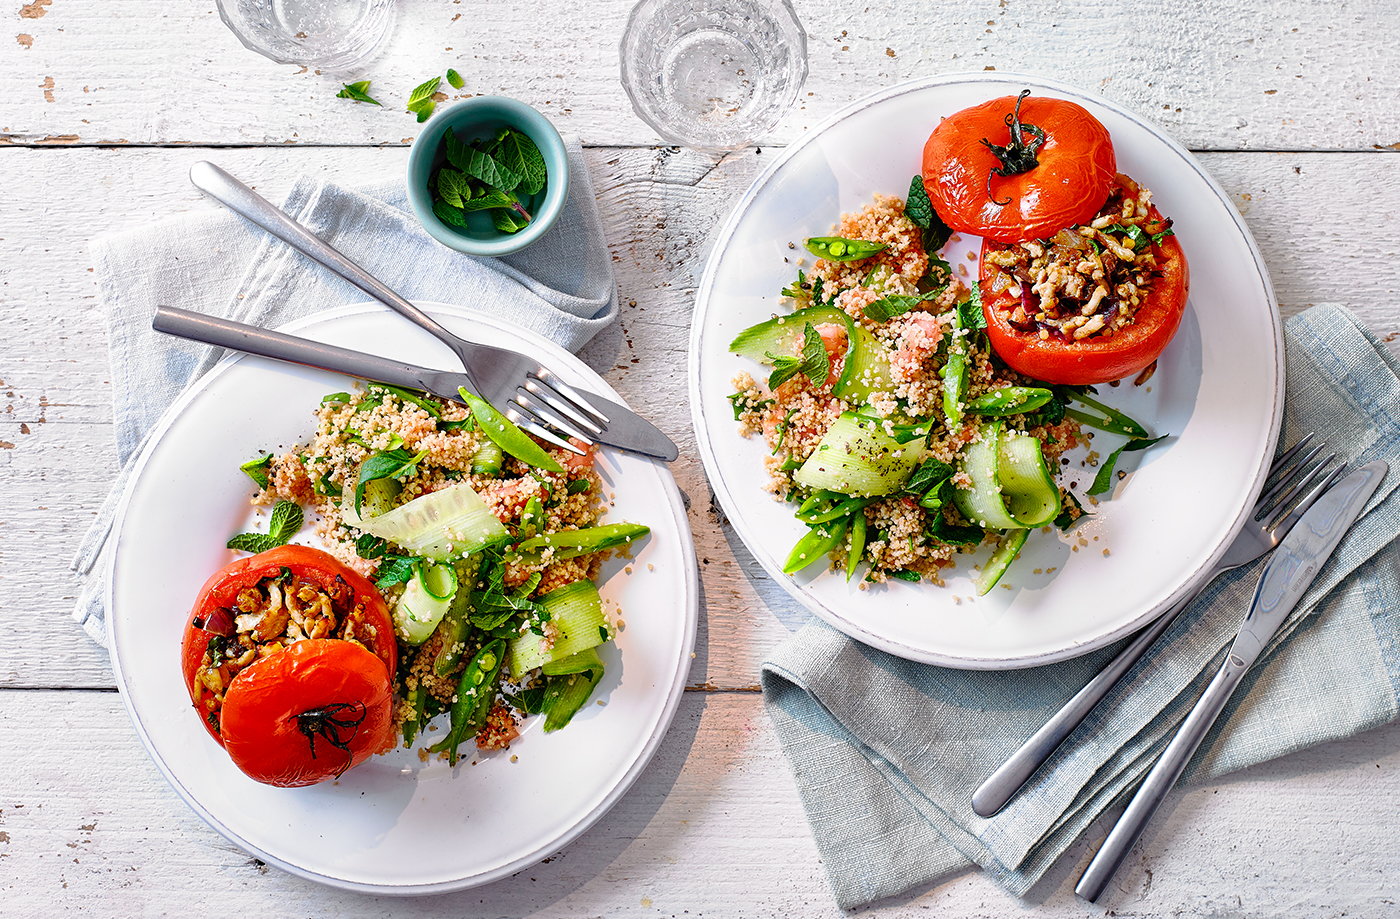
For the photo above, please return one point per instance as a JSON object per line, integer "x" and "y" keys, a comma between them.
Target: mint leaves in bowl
{"x": 488, "y": 176}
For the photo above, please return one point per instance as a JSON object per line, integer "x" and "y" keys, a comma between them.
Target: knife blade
{"x": 625, "y": 429}
{"x": 1296, "y": 562}
{"x": 1285, "y": 578}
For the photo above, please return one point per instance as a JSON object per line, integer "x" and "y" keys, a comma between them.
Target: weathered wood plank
{"x": 712, "y": 828}
{"x": 1242, "y": 76}
{"x": 659, "y": 208}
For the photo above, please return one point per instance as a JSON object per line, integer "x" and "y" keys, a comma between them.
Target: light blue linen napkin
{"x": 887, "y": 753}
{"x": 214, "y": 262}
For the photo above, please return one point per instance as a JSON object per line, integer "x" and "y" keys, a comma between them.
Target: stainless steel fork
{"x": 529, "y": 394}
{"x": 1300, "y": 478}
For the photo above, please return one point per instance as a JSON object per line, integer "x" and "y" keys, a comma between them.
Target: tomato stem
{"x": 325, "y": 723}
{"x": 1018, "y": 156}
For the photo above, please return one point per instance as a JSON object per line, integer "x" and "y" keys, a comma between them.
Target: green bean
{"x": 1108, "y": 419}
{"x": 417, "y": 700}
{"x": 531, "y": 517}
{"x": 816, "y": 544}
{"x": 414, "y": 398}
{"x": 841, "y": 249}
{"x": 572, "y": 543}
{"x": 858, "y": 528}
{"x": 476, "y": 691}
{"x": 504, "y": 432}
{"x": 844, "y": 509}
{"x": 1010, "y": 400}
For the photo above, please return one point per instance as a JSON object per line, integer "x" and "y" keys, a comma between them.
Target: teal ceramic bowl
{"x": 473, "y": 119}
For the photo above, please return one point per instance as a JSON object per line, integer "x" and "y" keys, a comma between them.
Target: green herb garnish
{"x": 396, "y": 569}
{"x": 488, "y": 174}
{"x": 256, "y": 469}
{"x": 359, "y": 91}
{"x": 388, "y": 464}
{"x": 420, "y": 101}
{"x": 919, "y": 209}
{"x": 1104, "y": 480}
{"x": 286, "y": 520}
{"x": 455, "y": 79}
{"x": 815, "y": 363}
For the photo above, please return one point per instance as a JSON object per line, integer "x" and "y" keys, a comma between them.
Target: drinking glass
{"x": 326, "y": 34}
{"x": 713, "y": 74}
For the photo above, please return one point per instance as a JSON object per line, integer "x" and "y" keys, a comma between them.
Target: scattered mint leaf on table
{"x": 455, "y": 78}
{"x": 358, "y": 91}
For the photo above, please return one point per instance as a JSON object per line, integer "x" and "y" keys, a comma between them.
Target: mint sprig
{"x": 814, "y": 364}
{"x": 286, "y": 520}
{"x": 358, "y": 91}
{"x": 488, "y": 174}
{"x": 420, "y": 101}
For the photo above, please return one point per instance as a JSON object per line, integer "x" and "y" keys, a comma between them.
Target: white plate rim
{"x": 675, "y": 691}
{"x": 732, "y": 506}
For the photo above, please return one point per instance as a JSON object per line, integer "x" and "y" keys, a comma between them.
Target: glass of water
{"x": 713, "y": 74}
{"x": 326, "y": 34}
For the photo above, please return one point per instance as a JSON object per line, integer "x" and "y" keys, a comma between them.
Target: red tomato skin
{"x": 1077, "y": 166}
{"x": 259, "y": 715}
{"x": 1097, "y": 359}
{"x": 321, "y": 568}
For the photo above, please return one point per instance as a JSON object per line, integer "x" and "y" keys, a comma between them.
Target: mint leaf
{"x": 287, "y": 517}
{"x": 892, "y": 305}
{"x": 449, "y": 215}
{"x": 491, "y": 199}
{"x": 368, "y": 546}
{"x": 455, "y": 79}
{"x": 479, "y": 165}
{"x": 919, "y": 209}
{"x": 396, "y": 569}
{"x": 518, "y": 153}
{"x": 508, "y": 221}
{"x": 453, "y": 186}
{"x": 256, "y": 469}
{"x": 815, "y": 363}
{"x": 970, "y": 315}
{"x": 422, "y": 93}
{"x": 389, "y": 464}
{"x": 359, "y": 91}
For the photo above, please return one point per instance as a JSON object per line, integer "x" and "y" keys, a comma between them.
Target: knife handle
{"x": 1162, "y": 777}
{"x": 1011, "y": 776}
{"x": 250, "y": 339}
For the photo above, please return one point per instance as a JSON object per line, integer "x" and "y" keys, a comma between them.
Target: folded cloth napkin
{"x": 215, "y": 262}
{"x": 887, "y": 753}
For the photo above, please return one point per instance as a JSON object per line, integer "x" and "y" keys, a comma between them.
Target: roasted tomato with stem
{"x": 254, "y": 611}
{"x": 308, "y": 713}
{"x": 1018, "y": 168}
{"x": 1093, "y": 303}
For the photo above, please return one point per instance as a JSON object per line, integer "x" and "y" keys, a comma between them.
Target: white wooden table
{"x": 105, "y": 103}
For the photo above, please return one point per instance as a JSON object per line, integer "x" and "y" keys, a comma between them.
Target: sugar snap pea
{"x": 504, "y": 432}
{"x": 815, "y": 545}
{"x": 475, "y": 693}
{"x": 573, "y": 543}
{"x": 1010, "y": 400}
{"x": 841, "y": 249}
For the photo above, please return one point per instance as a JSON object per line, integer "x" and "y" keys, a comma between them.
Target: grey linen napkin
{"x": 886, "y": 753}
{"x": 214, "y": 262}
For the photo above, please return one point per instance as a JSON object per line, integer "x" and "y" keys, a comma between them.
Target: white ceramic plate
{"x": 1217, "y": 389}
{"x": 392, "y": 825}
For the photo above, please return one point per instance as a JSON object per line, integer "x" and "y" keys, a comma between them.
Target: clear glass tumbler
{"x": 326, "y": 34}
{"x": 713, "y": 74}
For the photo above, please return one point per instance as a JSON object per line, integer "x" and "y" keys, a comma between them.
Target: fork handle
{"x": 248, "y": 204}
{"x": 1011, "y": 776}
{"x": 237, "y": 336}
{"x": 1161, "y": 778}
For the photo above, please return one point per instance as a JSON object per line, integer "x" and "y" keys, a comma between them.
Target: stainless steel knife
{"x": 1285, "y": 578}
{"x": 626, "y": 429}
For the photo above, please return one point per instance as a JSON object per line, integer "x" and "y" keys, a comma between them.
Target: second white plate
{"x": 1216, "y": 390}
{"x": 393, "y": 825}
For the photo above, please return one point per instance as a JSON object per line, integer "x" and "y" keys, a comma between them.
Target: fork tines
{"x": 554, "y": 411}
{"x": 1300, "y": 481}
